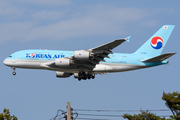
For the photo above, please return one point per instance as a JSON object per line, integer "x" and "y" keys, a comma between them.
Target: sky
{"x": 84, "y": 24}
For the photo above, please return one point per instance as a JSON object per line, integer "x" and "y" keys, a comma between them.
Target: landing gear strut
{"x": 14, "y": 71}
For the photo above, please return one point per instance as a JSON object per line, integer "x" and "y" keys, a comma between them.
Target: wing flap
{"x": 159, "y": 58}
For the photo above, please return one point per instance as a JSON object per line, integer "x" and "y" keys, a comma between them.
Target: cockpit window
{"x": 10, "y": 56}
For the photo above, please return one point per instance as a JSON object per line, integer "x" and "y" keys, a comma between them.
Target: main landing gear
{"x": 14, "y": 71}
{"x": 84, "y": 76}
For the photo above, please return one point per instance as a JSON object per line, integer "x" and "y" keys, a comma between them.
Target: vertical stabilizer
{"x": 154, "y": 45}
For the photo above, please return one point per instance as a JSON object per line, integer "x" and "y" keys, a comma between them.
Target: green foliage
{"x": 6, "y": 115}
{"x": 1, "y": 116}
{"x": 173, "y": 103}
{"x": 145, "y": 115}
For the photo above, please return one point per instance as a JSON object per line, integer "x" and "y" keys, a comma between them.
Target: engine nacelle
{"x": 63, "y": 74}
{"x": 81, "y": 55}
{"x": 62, "y": 62}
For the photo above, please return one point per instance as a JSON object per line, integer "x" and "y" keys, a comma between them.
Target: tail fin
{"x": 154, "y": 46}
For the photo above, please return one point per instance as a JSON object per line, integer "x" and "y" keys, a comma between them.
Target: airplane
{"x": 85, "y": 64}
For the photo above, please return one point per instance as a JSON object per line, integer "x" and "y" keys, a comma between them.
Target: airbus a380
{"x": 84, "y": 64}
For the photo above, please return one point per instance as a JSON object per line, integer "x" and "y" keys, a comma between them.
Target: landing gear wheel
{"x": 79, "y": 74}
{"x": 93, "y": 76}
{"x": 89, "y": 76}
{"x": 79, "y": 78}
{"x": 14, "y": 73}
{"x": 85, "y": 75}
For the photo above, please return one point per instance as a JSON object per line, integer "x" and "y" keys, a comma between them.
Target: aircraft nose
{"x": 5, "y": 62}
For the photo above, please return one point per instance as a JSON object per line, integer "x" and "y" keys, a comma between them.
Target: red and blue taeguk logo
{"x": 33, "y": 55}
{"x": 157, "y": 43}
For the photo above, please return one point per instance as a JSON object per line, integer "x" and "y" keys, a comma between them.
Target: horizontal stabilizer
{"x": 159, "y": 58}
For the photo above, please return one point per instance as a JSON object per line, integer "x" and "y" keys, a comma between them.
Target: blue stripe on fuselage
{"x": 40, "y": 54}
{"x": 51, "y": 55}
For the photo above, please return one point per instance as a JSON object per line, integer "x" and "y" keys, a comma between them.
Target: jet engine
{"x": 62, "y": 62}
{"x": 81, "y": 55}
{"x": 63, "y": 74}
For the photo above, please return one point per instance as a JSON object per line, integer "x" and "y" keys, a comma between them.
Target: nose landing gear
{"x": 14, "y": 71}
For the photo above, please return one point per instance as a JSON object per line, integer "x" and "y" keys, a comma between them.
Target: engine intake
{"x": 63, "y": 74}
{"x": 81, "y": 55}
{"x": 62, "y": 62}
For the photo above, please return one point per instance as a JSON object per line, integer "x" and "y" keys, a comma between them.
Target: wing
{"x": 86, "y": 60}
{"x": 98, "y": 54}
{"x": 111, "y": 45}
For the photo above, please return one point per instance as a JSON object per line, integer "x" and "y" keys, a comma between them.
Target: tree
{"x": 6, "y": 115}
{"x": 145, "y": 115}
{"x": 173, "y": 103}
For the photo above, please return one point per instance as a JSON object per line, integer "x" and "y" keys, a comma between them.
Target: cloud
{"x": 48, "y": 15}
{"x": 14, "y": 31}
{"x": 7, "y": 9}
{"x": 151, "y": 23}
{"x": 47, "y": 2}
{"x": 79, "y": 22}
{"x": 95, "y": 21}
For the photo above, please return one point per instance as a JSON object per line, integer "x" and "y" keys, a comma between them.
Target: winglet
{"x": 127, "y": 39}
